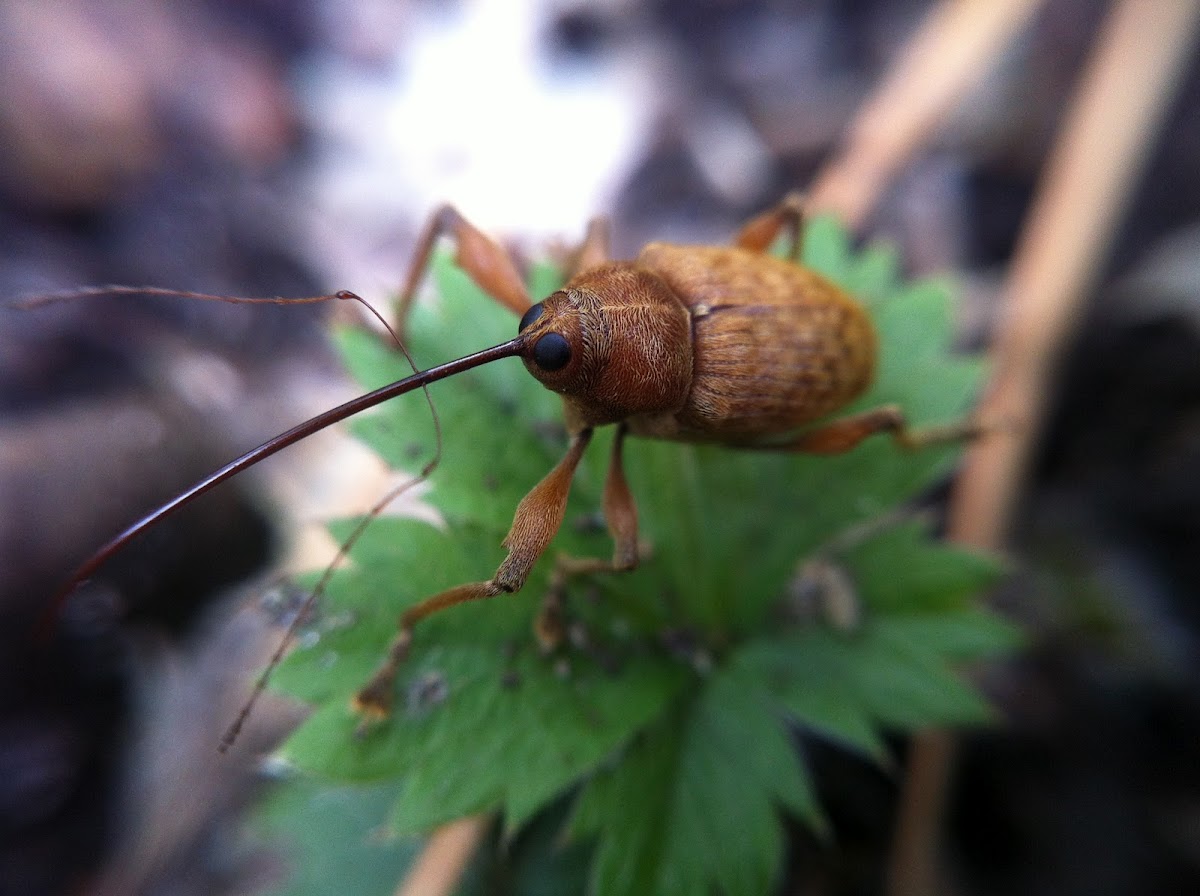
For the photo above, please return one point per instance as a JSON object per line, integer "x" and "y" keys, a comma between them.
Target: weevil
{"x": 729, "y": 345}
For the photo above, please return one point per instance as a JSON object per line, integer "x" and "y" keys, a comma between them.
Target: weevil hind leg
{"x": 839, "y": 436}
{"x": 760, "y": 232}
{"x": 535, "y": 523}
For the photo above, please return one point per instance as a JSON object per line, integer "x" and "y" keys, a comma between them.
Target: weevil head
{"x": 615, "y": 342}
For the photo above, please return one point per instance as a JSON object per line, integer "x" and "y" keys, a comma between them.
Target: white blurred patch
{"x": 472, "y": 108}
{"x": 205, "y": 381}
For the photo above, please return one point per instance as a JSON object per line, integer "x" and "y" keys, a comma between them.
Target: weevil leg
{"x": 840, "y": 436}
{"x": 594, "y": 250}
{"x": 620, "y": 511}
{"x": 539, "y": 515}
{"x": 760, "y": 232}
{"x": 620, "y": 514}
{"x": 535, "y": 523}
{"x": 484, "y": 261}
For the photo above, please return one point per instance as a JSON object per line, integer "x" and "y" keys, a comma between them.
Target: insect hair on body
{"x": 725, "y": 345}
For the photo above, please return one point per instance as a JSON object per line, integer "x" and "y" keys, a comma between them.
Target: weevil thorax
{"x": 615, "y": 342}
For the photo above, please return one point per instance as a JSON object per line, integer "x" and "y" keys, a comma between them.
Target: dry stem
{"x": 441, "y": 864}
{"x": 957, "y": 44}
{"x": 1086, "y": 185}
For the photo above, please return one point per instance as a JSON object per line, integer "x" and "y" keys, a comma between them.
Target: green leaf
{"x": 900, "y": 570}
{"x": 334, "y": 838}
{"x": 709, "y": 782}
{"x": 535, "y": 862}
{"x": 826, "y": 247}
{"x": 809, "y": 677}
{"x": 673, "y": 716}
{"x": 872, "y": 276}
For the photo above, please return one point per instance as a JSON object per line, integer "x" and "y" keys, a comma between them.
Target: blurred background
{"x": 265, "y": 147}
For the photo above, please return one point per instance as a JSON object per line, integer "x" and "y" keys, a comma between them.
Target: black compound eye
{"x": 552, "y": 352}
{"x": 534, "y": 312}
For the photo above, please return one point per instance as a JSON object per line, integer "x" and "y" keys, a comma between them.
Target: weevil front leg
{"x": 537, "y": 520}
{"x": 484, "y": 261}
{"x": 539, "y": 515}
{"x": 594, "y": 250}
{"x": 620, "y": 515}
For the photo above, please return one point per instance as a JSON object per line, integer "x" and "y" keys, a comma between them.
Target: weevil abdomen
{"x": 774, "y": 345}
